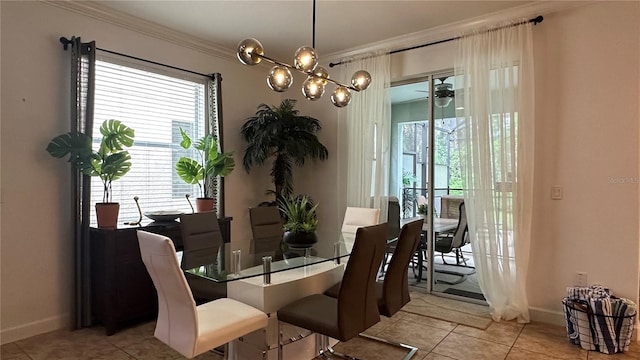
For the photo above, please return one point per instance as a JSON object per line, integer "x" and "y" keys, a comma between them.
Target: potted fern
{"x": 301, "y": 221}
{"x": 210, "y": 162}
{"x": 110, "y": 162}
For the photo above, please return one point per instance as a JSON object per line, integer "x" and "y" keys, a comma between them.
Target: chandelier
{"x": 305, "y": 60}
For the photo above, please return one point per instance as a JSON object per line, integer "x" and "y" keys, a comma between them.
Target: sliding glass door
{"x": 426, "y": 178}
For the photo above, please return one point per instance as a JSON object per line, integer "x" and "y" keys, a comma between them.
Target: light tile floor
{"x": 436, "y": 340}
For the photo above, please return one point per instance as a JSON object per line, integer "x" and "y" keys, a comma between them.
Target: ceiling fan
{"x": 443, "y": 93}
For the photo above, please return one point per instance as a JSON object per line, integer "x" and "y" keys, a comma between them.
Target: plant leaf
{"x": 204, "y": 144}
{"x": 222, "y": 165}
{"x": 189, "y": 170}
{"x": 116, "y": 165}
{"x": 116, "y": 135}
{"x": 78, "y": 146}
{"x": 186, "y": 140}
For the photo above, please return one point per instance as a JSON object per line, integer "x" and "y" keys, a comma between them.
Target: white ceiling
{"x": 283, "y": 26}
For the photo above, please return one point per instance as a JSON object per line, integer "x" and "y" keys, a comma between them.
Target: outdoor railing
{"x": 410, "y": 197}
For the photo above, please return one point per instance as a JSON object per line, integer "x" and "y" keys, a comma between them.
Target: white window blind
{"x": 156, "y": 104}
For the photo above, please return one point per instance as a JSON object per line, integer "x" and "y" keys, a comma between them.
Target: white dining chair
{"x": 354, "y": 218}
{"x": 189, "y": 329}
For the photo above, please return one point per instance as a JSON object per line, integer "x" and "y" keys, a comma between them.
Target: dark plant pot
{"x": 107, "y": 215}
{"x": 300, "y": 239}
{"x": 205, "y": 204}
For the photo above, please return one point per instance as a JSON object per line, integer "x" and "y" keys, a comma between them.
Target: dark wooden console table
{"x": 121, "y": 290}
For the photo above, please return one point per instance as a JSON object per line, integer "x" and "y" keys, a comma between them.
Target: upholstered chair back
{"x": 266, "y": 227}
{"x": 177, "y": 323}
{"x": 357, "y": 301}
{"x": 395, "y": 287}
{"x": 201, "y": 238}
{"x": 356, "y": 217}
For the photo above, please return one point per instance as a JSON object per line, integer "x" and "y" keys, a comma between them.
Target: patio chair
{"x": 447, "y": 243}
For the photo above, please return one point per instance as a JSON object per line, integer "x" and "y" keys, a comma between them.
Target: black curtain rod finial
{"x": 537, "y": 20}
{"x": 65, "y": 42}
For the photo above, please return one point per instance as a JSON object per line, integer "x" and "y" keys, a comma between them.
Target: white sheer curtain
{"x": 368, "y": 124}
{"x": 496, "y": 141}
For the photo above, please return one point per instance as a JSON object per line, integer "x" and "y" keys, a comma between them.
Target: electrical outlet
{"x": 556, "y": 192}
{"x": 581, "y": 279}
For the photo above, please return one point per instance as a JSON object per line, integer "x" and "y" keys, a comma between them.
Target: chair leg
{"x": 459, "y": 253}
{"x": 225, "y": 356}
{"x": 326, "y": 352}
{"x": 412, "y": 349}
{"x": 322, "y": 343}
{"x": 280, "y": 343}
{"x": 341, "y": 355}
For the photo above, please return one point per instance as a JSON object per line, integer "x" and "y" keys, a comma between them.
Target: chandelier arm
{"x": 336, "y": 83}
{"x": 273, "y": 61}
{"x": 310, "y": 73}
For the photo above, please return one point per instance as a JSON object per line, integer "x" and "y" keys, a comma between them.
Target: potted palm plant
{"x": 280, "y": 132}
{"x": 110, "y": 162}
{"x": 210, "y": 162}
{"x": 301, "y": 221}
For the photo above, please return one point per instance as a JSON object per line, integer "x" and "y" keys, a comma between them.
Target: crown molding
{"x": 452, "y": 30}
{"x": 145, "y": 27}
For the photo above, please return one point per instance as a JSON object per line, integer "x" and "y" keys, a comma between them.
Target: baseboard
{"x": 34, "y": 328}
{"x": 557, "y": 318}
{"x": 546, "y": 316}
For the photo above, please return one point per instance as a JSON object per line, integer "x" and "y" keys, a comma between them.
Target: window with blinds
{"x": 156, "y": 104}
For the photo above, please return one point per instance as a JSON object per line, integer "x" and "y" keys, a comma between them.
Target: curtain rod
{"x": 538, "y": 19}
{"x": 66, "y": 42}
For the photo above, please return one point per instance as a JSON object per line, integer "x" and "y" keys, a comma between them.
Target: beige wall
{"x": 587, "y": 88}
{"x": 37, "y": 247}
{"x": 587, "y": 99}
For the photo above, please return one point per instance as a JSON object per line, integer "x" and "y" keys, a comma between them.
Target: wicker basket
{"x": 604, "y": 333}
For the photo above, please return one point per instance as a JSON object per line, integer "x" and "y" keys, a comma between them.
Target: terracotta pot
{"x": 107, "y": 215}
{"x": 300, "y": 239}
{"x": 205, "y": 204}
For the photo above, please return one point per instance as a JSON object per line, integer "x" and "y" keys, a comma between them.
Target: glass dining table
{"x": 221, "y": 264}
{"x": 269, "y": 282}
{"x": 440, "y": 226}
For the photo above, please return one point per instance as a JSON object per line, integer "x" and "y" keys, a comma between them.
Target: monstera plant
{"x": 210, "y": 162}
{"x": 109, "y": 163}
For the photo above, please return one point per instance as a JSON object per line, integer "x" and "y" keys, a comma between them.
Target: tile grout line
{"x": 514, "y": 342}
{"x": 23, "y": 351}
{"x": 440, "y": 342}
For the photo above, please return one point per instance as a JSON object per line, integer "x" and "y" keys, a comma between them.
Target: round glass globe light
{"x": 361, "y": 80}
{"x": 312, "y": 88}
{"x": 321, "y": 74}
{"x": 305, "y": 59}
{"x": 341, "y": 97}
{"x": 279, "y": 79}
{"x": 247, "y": 50}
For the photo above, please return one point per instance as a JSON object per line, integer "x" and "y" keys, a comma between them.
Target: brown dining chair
{"x": 266, "y": 227}
{"x": 393, "y": 219}
{"x": 202, "y": 245}
{"x": 393, "y": 293}
{"x": 355, "y": 308}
